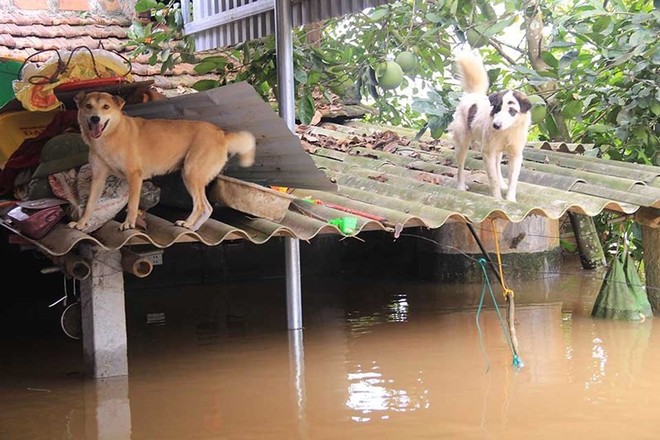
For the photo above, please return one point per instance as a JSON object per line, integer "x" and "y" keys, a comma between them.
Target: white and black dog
{"x": 499, "y": 123}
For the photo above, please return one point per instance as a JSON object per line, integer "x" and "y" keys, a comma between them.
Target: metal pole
{"x": 285, "y": 92}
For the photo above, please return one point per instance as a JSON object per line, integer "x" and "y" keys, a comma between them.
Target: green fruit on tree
{"x": 539, "y": 109}
{"x": 536, "y": 100}
{"x": 389, "y": 75}
{"x": 407, "y": 60}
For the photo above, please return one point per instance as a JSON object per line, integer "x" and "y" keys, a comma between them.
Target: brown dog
{"x": 137, "y": 149}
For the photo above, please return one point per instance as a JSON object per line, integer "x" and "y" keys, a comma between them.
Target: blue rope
{"x": 517, "y": 362}
{"x": 481, "y": 337}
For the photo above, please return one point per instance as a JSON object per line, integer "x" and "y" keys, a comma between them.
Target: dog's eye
{"x": 88, "y": 106}
{"x": 513, "y": 111}
{"x": 106, "y": 106}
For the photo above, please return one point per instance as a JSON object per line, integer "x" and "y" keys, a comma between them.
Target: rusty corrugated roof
{"x": 384, "y": 179}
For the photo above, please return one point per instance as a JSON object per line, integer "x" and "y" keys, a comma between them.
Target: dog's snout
{"x": 497, "y": 125}
{"x": 94, "y": 119}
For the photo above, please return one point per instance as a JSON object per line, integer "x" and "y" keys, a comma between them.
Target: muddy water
{"x": 390, "y": 360}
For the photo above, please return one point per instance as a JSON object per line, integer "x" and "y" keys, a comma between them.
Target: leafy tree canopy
{"x": 594, "y": 65}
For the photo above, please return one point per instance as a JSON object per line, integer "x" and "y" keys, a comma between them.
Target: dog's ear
{"x": 119, "y": 101}
{"x": 80, "y": 96}
{"x": 495, "y": 102}
{"x": 525, "y": 104}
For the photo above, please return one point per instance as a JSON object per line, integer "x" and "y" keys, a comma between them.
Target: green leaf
{"x": 437, "y": 127}
{"x": 566, "y": 59}
{"x": 572, "y": 109}
{"x": 306, "y": 109}
{"x": 300, "y": 76}
{"x": 601, "y": 23}
{"x": 378, "y": 14}
{"x": 205, "y": 84}
{"x": 655, "y": 108}
{"x": 219, "y": 61}
{"x": 313, "y": 78}
{"x": 549, "y": 59}
{"x": 561, "y": 44}
{"x": 551, "y": 126}
{"x": 427, "y": 107}
{"x": 205, "y": 67}
{"x": 491, "y": 29}
{"x": 599, "y": 128}
{"x": 167, "y": 64}
{"x": 434, "y": 18}
{"x": 136, "y": 31}
{"x": 145, "y": 5}
{"x": 620, "y": 60}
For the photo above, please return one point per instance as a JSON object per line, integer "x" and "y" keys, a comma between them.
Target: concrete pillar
{"x": 108, "y": 409}
{"x": 103, "y": 314}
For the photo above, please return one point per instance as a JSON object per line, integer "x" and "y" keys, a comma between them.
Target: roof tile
{"x": 24, "y": 34}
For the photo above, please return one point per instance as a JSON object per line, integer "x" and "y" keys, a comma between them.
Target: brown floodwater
{"x": 376, "y": 360}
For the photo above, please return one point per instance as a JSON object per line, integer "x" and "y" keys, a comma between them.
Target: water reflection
{"x": 398, "y": 308}
{"x": 297, "y": 371}
{"x": 373, "y": 396}
{"x": 599, "y": 360}
{"x": 111, "y": 417}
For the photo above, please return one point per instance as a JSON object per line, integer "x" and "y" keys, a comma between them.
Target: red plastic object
{"x": 96, "y": 82}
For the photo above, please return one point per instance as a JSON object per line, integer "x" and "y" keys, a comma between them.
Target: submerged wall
{"x": 529, "y": 250}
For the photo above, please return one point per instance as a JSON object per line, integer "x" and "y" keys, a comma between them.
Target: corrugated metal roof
{"x": 218, "y": 24}
{"x": 384, "y": 179}
{"x": 412, "y": 176}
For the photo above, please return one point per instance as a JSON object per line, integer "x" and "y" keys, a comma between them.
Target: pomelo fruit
{"x": 389, "y": 75}
{"x": 539, "y": 110}
{"x": 407, "y": 60}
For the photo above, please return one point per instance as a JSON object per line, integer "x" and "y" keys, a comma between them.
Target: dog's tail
{"x": 473, "y": 73}
{"x": 244, "y": 144}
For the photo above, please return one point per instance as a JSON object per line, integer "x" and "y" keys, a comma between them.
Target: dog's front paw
{"x": 126, "y": 226}
{"x": 462, "y": 187}
{"x": 511, "y": 197}
{"x": 183, "y": 224}
{"x": 76, "y": 225}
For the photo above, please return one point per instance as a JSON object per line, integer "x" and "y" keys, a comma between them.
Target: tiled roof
{"x": 25, "y": 33}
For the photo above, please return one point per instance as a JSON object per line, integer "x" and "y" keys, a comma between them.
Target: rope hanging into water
{"x": 517, "y": 362}
{"x": 511, "y": 333}
{"x": 508, "y": 294}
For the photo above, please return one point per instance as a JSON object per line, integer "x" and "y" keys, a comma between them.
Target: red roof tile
{"x": 24, "y": 34}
